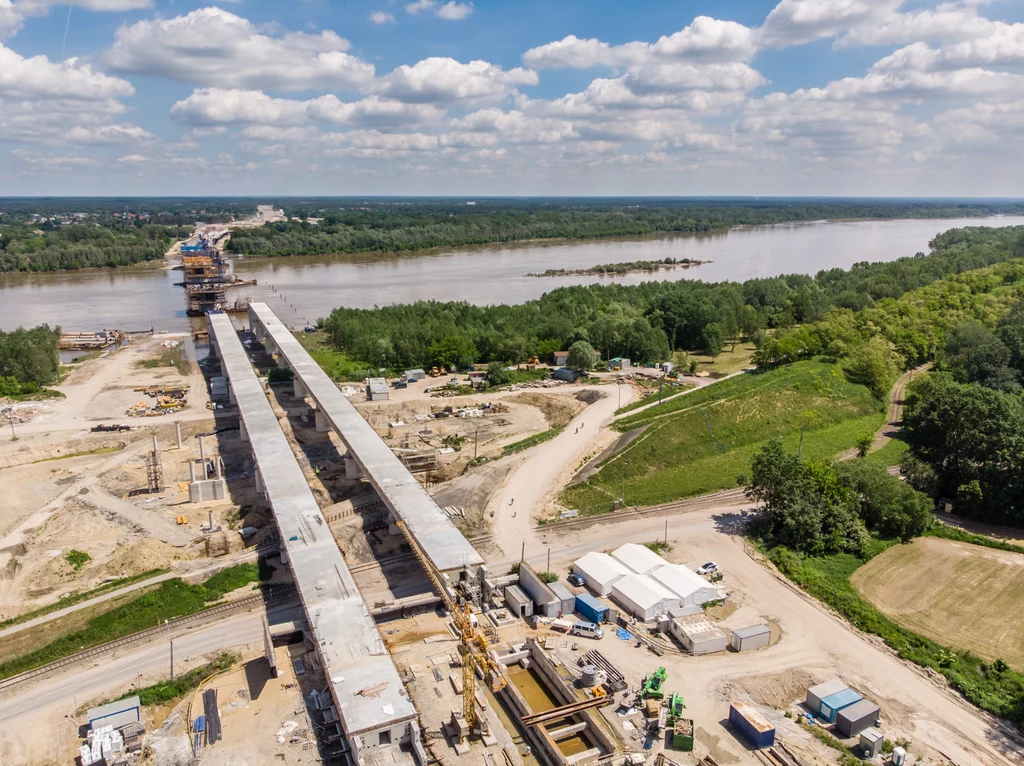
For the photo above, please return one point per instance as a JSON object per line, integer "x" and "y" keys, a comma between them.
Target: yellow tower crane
{"x": 473, "y": 644}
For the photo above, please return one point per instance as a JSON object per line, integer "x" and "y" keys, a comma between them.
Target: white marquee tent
{"x": 638, "y": 558}
{"x": 691, "y": 589}
{"x": 600, "y": 572}
{"x": 644, "y": 597}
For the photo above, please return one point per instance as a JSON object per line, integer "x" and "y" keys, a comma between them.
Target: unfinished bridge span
{"x": 406, "y": 499}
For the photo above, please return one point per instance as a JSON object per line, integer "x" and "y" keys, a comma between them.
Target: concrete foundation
{"x": 209, "y": 489}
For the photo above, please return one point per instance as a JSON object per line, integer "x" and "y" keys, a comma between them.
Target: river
{"x": 304, "y": 288}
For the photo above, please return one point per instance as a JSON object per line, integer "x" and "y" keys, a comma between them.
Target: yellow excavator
{"x": 473, "y": 644}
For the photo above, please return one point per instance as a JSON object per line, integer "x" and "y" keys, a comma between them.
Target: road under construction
{"x": 403, "y": 495}
{"x": 373, "y": 707}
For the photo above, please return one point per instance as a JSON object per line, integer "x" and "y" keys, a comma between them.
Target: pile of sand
{"x": 141, "y": 556}
{"x": 558, "y": 409}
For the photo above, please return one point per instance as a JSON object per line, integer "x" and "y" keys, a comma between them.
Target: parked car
{"x": 575, "y": 579}
{"x": 708, "y": 568}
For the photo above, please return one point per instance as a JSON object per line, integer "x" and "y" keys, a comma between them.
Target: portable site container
{"x": 817, "y": 693}
{"x": 589, "y": 607}
{"x": 871, "y": 742}
{"x": 518, "y": 602}
{"x": 834, "y": 703}
{"x": 116, "y": 714}
{"x": 752, "y": 725}
{"x": 754, "y": 637}
{"x": 857, "y": 717}
{"x": 567, "y": 601}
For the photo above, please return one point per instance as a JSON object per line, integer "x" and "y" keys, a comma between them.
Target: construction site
{"x": 409, "y": 614}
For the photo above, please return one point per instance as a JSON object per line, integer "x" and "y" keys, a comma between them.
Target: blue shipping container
{"x": 752, "y": 725}
{"x": 833, "y": 703}
{"x": 589, "y": 607}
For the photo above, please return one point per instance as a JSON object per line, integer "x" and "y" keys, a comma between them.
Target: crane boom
{"x": 473, "y": 644}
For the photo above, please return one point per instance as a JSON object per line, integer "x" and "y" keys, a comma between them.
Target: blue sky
{"x": 734, "y": 97}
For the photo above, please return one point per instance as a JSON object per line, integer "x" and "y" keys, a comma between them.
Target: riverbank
{"x": 621, "y": 269}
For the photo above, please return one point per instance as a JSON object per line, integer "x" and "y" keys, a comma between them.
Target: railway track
{"x": 726, "y": 497}
{"x": 207, "y": 615}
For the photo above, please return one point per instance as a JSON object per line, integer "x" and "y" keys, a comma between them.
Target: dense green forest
{"x": 52, "y": 246}
{"x": 29, "y": 360}
{"x": 419, "y": 226}
{"x": 835, "y": 311}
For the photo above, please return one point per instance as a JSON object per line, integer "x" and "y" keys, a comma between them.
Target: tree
{"x": 453, "y": 352}
{"x": 513, "y": 350}
{"x": 876, "y": 365}
{"x": 712, "y": 339}
{"x": 887, "y": 505}
{"x": 976, "y": 355}
{"x": 581, "y": 356}
{"x": 498, "y": 374}
{"x": 864, "y": 444}
{"x": 383, "y": 352}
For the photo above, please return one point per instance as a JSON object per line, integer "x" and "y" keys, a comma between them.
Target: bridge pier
{"x": 322, "y": 424}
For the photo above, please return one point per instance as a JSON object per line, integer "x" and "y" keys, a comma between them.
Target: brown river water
{"x": 302, "y": 288}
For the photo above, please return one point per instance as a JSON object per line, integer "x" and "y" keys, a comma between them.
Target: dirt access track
{"x": 958, "y": 594}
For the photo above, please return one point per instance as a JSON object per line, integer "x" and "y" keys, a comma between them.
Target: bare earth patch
{"x": 958, "y": 594}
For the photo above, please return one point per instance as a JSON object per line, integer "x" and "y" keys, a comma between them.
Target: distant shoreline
{"x": 622, "y": 269}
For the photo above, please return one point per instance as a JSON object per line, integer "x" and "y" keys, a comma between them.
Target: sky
{"x": 512, "y": 97}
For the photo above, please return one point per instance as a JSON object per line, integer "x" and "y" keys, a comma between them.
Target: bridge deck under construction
{"x": 364, "y": 682}
{"x": 404, "y": 496}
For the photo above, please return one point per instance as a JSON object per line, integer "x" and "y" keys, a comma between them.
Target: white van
{"x": 588, "y": 629}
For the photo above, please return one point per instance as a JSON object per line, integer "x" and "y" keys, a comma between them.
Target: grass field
{"x": 955, "y": 593}
{"x": 704, "y": 441}
{"x": 727, "y": 362}
{"x": 336, "y": 364}
{"x": 890, "y": 454}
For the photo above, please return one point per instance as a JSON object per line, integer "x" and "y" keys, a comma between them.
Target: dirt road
{"x": 549, "y": 466}
{"x": 813, "y": 641}
{"x": 49, "y": 706}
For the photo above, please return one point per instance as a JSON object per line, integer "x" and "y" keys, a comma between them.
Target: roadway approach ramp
{"x": 403, "y": 495}
{"x": 365, "y": 686}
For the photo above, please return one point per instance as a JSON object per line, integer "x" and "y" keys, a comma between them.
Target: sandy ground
{"x": 71, "y": 489}
{"x": 960, "y": 595}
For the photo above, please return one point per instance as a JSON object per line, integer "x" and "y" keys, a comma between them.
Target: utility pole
{"x": 522, "y": 554}
{"x": 548, "y": 568}
{"x": 10, "y": 415}
{"x": 660, "y": 381}
{"x": 476, "y": 441}
{"x": 172, "y": 659}
{"x": 622, "y": 477}
{"x": 666, "y": 532}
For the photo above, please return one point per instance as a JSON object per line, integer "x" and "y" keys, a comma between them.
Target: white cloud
{"x": 210, "y": 106}
{"x": 418, "y": 6}
{"x": 108, "y": 134}
{"x": 704, "y": 40}
{"x": 10, "y": 19}
{"x": 373, "y": 139}
{"x": 445, "y": 81}
{"x": 382, "y": 17}
{"x": 793, "y": 22}
{"x": 453, "y": 11}
{"x": 372, "y": 111}
{"x": 1003, "y": 49}
{"x": 133, "y": 158}
{"x": 38, "y": 77}
{"x": 215, "y": 48}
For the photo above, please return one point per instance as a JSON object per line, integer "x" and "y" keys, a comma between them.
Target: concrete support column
{"x": 177, "y": 431}
{"x": 259, "y": 482}
{"x": 218, "y": 467}
{"x": 322, "y": 424}
{"x": 284, "y": 554}
{"x": 299, "y": 388}
{"x": 243, "y": 432}
{"x": 231, "y": 394}
{"x": 191, "y": 472}
{"x": 202, "y": 458}
{"x": 214, "y": 353}
{"x": 352, "y": 469}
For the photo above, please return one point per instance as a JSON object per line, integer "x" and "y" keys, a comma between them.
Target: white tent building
{"x": 644, "y": 597}
{"x": 639, "y": 558}
{"x": 691, "y": 589}
{"x": 600, "y": 572}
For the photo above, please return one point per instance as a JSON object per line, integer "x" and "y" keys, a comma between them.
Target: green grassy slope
{"x": 677, "y": 456}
